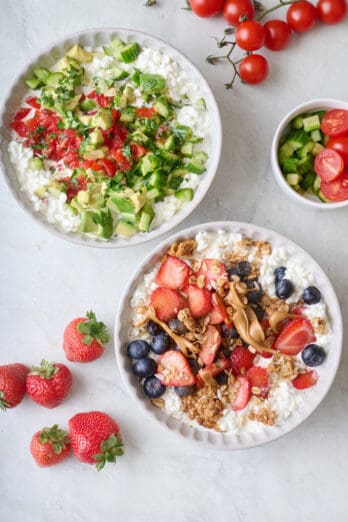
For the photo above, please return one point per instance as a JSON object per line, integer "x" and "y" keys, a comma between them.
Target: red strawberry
{"x": 199, "y": 300}
{"x": 50, "y": 446}
{"x": 306, "y": 380}
{"x": 298, "y": 310}
{"x": 173, "y": 273}
{"x": 210, "y": 344}
{"x": 212, "y": 269}
{"x": 12, "y": 384}
{"x": 84, "y": 339}
{"x": 49, "y": 384}
{"x": 174, "y": 369}
{"x": 258, "y": 378}
{"x": 295, "y": 336}
{"x": 214, "y": 369}
{"x": 241, "y": 360}
{"x": 242, "y": 395}
{"x": 167, "y": 303}
{"x": 219, "y": 313}
{"x": 95, "y": 438}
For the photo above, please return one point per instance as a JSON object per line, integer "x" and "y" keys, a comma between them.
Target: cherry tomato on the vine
{"x": 206, "y": 8}
{"x": 237, "y": 11}
{"x": 250, "y": 35}
{"x": 301, "y": 16}
{"x": 253, "y": 69}
{"x": 277, "y": 35}
{"x": 331, "y": 11}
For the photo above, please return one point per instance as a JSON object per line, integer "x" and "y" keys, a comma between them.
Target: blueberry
{"x": 313, "y": 355}
{"x": 138, "y": 349}
{"x": 160, "y": 343}
{"x": 144, "y": 367}
{"x": 153, "y": 387}
{"x": 279, "y": 274}
{"x": 311, "y": 295}
{"x": 228, "y": 332}
{"x": 243, "y": 268}
{"x": 284, "y": 288}
{"x": 177, "y": 326}
{"x": 153, "y": 328}
{"x": 195, "y": 366}
{"x": 183, "y": 391}
{"x": 226, "y": 352}
{"x": 258, "y": 312}
{"x": 232, "y": 272}
{"x": 255, "y": 293}
{"x": 222, "y": 378}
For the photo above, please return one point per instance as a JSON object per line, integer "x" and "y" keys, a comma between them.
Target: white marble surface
{"x": 45, "y": 282}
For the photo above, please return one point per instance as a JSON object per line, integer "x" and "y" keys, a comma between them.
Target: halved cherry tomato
{"x": 123, "y": 162}
{"x": 340, "y": 145}
{"x": 335, "y": 122}
{"x": 110, "y": 167}
{"x": 145, "y": 112}
{"x": 328, "y": 165}
{"x": 336, "y": 190}
{"x": 32, "y": 101}
{"x": 19, "y": 127}
{"x": 20, "y": 114}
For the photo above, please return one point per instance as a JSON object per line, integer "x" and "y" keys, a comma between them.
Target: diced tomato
{"x": 328, "y": 165}
{"x": 101, "y": 99}
{"x": 33, "y": 124}
{"x": 20, "y": 128}
{"x": 21, "y": 113}
{"x": 118, "y": 137}
{"x": 335, "y": 122}
{"x": 336, "y": 190}
{"x": 110, "y": 167}
{"x": 123, "y": 162}
{"x": 32, "y": 101}
{"x": 145, "y": 112}
{"x": 138, "y": 150}
{"x": 92, "y": 164}
{"x": 73, "y": 186}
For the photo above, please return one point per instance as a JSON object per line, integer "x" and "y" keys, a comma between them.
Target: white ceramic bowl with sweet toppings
{"x": 244, "y": 438}
{"x": 317, "y": 104}
{"x": 95, "y": 38}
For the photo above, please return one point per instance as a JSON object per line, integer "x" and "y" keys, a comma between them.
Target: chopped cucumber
{"x": 297, "y": 123}
{"x": 33, "y": 82}
{"x": 316, "y": 135}
{"x": 201, "y": 104}
{"x": 187, "y": 149}
{"x": 185, "y": 194}
{"x": 298, "y": 139}
{"x": 87, "y": 105}
{"x": 311, "y": 123}
{"x": 308, "y": 181}
{"x": 130, "y": 52}
{"x": 290, "y": 165}
{"x": 316, "y": 184}
{"x": 317, "y": 147}
{"x": 293, "y": 179}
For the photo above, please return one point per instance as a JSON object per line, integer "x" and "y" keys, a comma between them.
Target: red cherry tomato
{"x": 237, "y": 11}
{"x": 19, "y": 127}
{"x": 336, "y": 190}
{"x": 32, "y": 101}
{"x": 331, "y": 11}
{"x": 206, "y": 8}
{"x": 250, "y": 35}
{"x": 277, "y": 35}
{"x": 253, "y": 69}
{"x": 340, "y": 145}
{"x": 21, "y": 114}
{"x": 328, "y": 165}
{"x": 301, "y": 16}
{"x": 335, "y": 122}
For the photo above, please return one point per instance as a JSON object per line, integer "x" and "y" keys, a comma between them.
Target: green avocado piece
{"x": 103, "y": 119}
{"x": 125, "y": 229}
{"x": 79, "y": 54}
{"x": 96, "y": 138}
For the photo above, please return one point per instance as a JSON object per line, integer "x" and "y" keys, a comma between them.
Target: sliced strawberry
{"x": 306, "y": 380}
{"x": 173, "y": 273}
{"x": 199, "y": 300}
{"x": 174, "y": 369}
{"x": 298, "y": 310}
{"x": 241, "y": 360}
{"x": 167, "y": 303}
{"x": 242, "y": 395}
{"x": 210, "y": 345}
{"x": 214, "y": 369}
{"x": 258, "y": 378}
{"x": 295, "y": 336}
{"x": 212, "y": 270}
{"x": 219, "y": 313}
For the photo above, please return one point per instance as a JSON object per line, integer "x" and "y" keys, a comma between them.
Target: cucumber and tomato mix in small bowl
{"x": 312, "y": 155}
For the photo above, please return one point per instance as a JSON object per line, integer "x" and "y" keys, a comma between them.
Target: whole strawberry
{"x": 95, "y": 438}
{"x": 50, "y": 446}
{"x": 49, "y": 384}
{"x": 85, "y": 338}
{"x": 12, "y": 384}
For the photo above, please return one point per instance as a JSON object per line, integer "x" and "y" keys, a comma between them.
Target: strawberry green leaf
{"x": 46, "y": 370}
{"x": 94, "y": 330}
{"x": 3, "y": 404}
{"x": 55, "y": 436}
{"x": 109, "y": 450}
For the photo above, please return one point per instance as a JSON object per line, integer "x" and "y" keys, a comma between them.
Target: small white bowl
{"x": 95, "y": 38}
{"x": 309, "y": 106}
{"x": 197, "y": 434}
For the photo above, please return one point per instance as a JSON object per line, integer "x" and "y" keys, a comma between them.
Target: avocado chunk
{"x": 79, "y": 54}
{"x": 87, "y": 225}
{"x": 125, "y": 229}
{"x": 103, "y": 119}
{"x": 96, "y": 138}
{"x": 93, "y": 154}
{"x": 97, "y": 222}
{"x": 146, "y": 218}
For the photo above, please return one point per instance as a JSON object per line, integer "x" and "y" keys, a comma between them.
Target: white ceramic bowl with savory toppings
{"x": 95, "y": 38}
{"x": 317, "y": 104}
{"x": 199, "y": 434}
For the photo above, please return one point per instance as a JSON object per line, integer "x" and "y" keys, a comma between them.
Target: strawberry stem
{"x": 46, "y": 370}
{"x": 3, "y": 404}
{"x": 56, "y": 437}
{"x": 94, "y": 330}
{"x": 109, "y": 450}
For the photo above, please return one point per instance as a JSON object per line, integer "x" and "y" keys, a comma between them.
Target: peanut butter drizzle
{"x": 277, "y": 318}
